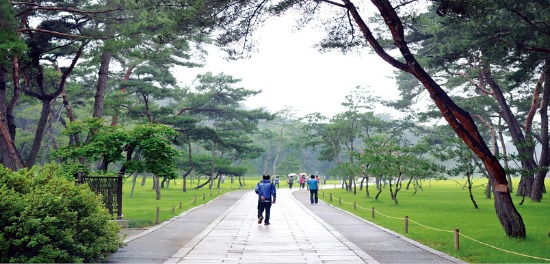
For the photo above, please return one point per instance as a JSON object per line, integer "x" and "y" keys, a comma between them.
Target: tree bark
{"x": 538, "y": 184}
{"x": 101, "y": 88}
{"x": 103, "y": 73}
{"x": 10, "y": 156}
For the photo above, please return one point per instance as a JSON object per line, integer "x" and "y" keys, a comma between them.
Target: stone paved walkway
{"x": 225, "y": 230}
{"x": 294, "y": 236}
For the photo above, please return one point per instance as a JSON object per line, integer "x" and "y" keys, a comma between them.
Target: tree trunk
{"x": 520, "y": 141}
{"x": 469, "y": 179}
{"x": 134, "y": 180}
{"x": 278, "y": 152}
{"x": 367, "y": 186}
{"x": 144, "y": 179}
{"x": 156, "y": 185}
{"x": 212, "y": 168}
{"x": 505, "y": 155}
{"x": 101, "y": 88}
{"x": 409, "y": 182}
{"x": 10, "y": 156}
{"x": 39, "y": 134}
{"x": 460, "y": 120}
{"x": 538, "y": 184}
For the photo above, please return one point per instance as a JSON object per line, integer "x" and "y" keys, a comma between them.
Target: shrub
{"x": 47, "y": 218}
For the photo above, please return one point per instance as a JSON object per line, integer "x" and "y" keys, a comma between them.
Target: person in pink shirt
{"x": 302, "y": 182}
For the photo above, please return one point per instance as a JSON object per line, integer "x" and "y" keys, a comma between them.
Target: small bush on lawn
{"x": 47, "y": 218}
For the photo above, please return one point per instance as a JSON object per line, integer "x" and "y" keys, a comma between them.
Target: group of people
{"x": 303, "y": 181}
{"x": 267, "y": 194}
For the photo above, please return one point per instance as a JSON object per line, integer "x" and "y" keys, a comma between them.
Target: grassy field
{"x": 443, "y": 206}
{"x": 433, "y": 213}
{"x": 140, "y": 209}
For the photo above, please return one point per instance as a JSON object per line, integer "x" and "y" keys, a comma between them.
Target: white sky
{"x": 290, "y": 72}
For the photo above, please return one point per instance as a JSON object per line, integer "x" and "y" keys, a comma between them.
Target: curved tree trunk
{"x": 521, "y": 142}
{"x": 40, "y": 129}
{"x": 10, "y": 156}
{"x": 460, "y": 120}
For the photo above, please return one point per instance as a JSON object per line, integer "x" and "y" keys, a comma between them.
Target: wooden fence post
{"x": 157, "y": 216}
{"x": 354, "y": 206}
{"x": 406, "y": 224}
{"x": 119, "y": 196}
{"x": 457, "y": 240}
{"x": 372, "y": 210}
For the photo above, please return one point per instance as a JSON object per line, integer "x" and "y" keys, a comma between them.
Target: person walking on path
{"x": 277, "y": 181}
{"x": 290, "y": 181}
{"x": 267, "y": 195}
{"x": 313, "y": 185}
{"x": 302, "y": 182}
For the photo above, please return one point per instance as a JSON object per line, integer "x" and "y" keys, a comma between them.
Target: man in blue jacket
{"x": 267, "y": 194}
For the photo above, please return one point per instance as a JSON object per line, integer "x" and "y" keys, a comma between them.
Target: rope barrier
{"x": 446, "y": 231}
{"x": 193, "y": 200}
{"x": 504, "y": 250}
{"x": 428, "y": 227}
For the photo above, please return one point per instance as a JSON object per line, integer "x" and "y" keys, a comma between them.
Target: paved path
{"x": 226, "y": 231}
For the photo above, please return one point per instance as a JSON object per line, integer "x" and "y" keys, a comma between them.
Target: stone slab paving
{"x": 382, "y": 244}
{"x": 225, "y": 230}
{"x": 294, "y": 236}
{"x": 156, "y": 244}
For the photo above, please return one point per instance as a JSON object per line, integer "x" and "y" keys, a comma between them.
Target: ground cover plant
{"x": 443, "y": 206}
{"x": 140, "y": 209}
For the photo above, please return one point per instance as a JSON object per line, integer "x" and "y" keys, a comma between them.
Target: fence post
{"x": 354, "y": 206}
{"x": 406, "y": 224}
{"x": 210, "y": 194}
{"x": 339, "y": 201}
{"x": 457, "y": 240}
{"x": 119, "y": 196}
{"x": 180, "y": 205}
{"x": 203, "y": 196}
{"x": 323, "y": 194}
{"x": 80, "y": 179}
{"x": 195, "y": 199}
{"x": 173, "y": 209}
{"x": 331, "y": 197}
{"x": 372, "y": 213}
{"x": 157, "y": 216}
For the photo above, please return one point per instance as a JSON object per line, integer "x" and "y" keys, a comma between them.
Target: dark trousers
{"x": 264, "y": 206}
{"x": 313, "y": 196}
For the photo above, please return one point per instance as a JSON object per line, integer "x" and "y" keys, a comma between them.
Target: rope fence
{"x": 456, "y": 232}
{"x": 181, "y": 205}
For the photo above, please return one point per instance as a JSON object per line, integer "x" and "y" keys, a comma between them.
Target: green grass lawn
{"x": 439, "y": 208}
{"x": 140, "y": 210}
{"x": 443, "y": 206}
